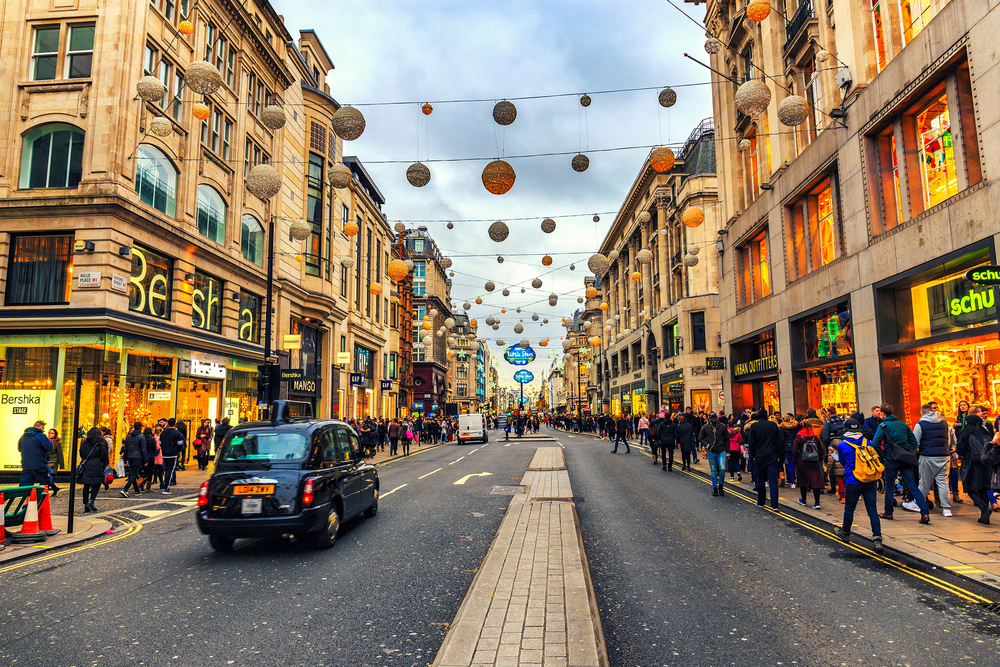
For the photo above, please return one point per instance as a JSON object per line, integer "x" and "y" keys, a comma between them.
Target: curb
{"x": 98, "y": 529}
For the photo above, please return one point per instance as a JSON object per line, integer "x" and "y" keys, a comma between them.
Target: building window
{"x": 211, "y": 214}
{"x": 343, "y": 281}
{"x": 258, "y": 95}
{"x": 358, "y": 267}
{"x": 345, "y": 215}
{"x": 392, "y": 365}
{"x": 156, "y": 179}
{"x": 813, "y": 230}
{"x": 252, "y": 156}
{"x": 77, "y": 49}
{"x": 252, "y": 240}
{"x": 914, "y": 162}
{"x": 250, "y": 312}
{"x": 752, "y": 165}
{"x": 52, "y": 157}
{"x": 914, "y": 15}
{"x": 314, "y": 213}
{"x": 698, "y": 342}
{"x": 418, "y": 245}
{"x": 149, "y": 284}
{"x": 167, "y": 8}
{"x": 206, "y": 302}
{"x": 461, "y": 390}
{"x": 225, "y": 60}
{"x": 462, "y": 372}
{"x": 40, "y": 271}
{"x": 419, "y": 278}
{"x": 368, "y": 276}
{"x": 670, "y": 339}
{"x": 392, "y": 315}
{"x": 754, "y": 273}
{"x": 877, "y": 30}
{"x": 218, "y": 136}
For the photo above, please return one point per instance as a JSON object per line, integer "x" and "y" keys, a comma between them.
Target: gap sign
{"x": 518, "y": 356}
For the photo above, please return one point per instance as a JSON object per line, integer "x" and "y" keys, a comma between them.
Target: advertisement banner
{"x": 20, "y": 409}
{"x": 518, "y": 356}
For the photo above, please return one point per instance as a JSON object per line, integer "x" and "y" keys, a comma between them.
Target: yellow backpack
{"x": 868, "y": 466}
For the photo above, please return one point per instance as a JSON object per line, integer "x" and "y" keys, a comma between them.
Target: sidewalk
{"x": 531, "y": 603}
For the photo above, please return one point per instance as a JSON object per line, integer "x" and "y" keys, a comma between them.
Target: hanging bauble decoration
{"x": 426, "y": 326}
{"x": 479, "y": 301}
{"x": 536, "y": 283}
{"x": 300, "y": 230}
{"x": 490, "y": 321}
{"x": 466, "y": 306}
{"x": 427, "y": 109}
{"x": 612, "y": 256}
{"x": 397, "y": 269}
{"x": 693, "y": 216}
{"x": 667, "y": 98}
{"x": 662, "y": 159}
{"x": 712, "y": 46}
{"x": 822, "y": 55}
{"x": 499, "y": 259}
{"x": 202, "y": 77}
{"x": 793, "y": 110}
{"x": 150, "y": 89}
{"x": 752, "y": 97}
{"x": 503, "y": 310}
{"x": 545, "y": 320}
{"x": 518, "y": 328}
{"x": 160, "y": 127}
{"x": 579, "y": 299}
{"x": 375, "y": 289}
{"x": 200, "y": 110}
{"x": 547, "y": 260}
{"x": 758, "y": 10}
{"x": 544, "y": 342}
{"x": 548, "y": 225}
{"x": 185, "y": 27}
{"x": 418, "y": 175}
{"x": 598, "y": 263}
{"x": 572, "y": 267}
{"x": 597, "y": 218}
{"x": 553, "y": 299}
{"x": 409, "y": 264}
{"x": 644, "y": 256}
{"x": 591, "y": 292}
{"x": 534, "y": 317}
{"x": 263, "y": 181}
{"x": 273, "y": 117}
{"x": 340, "y": 177}
{"x": 433, "y": 312}
{"x": 500, "y": 342}
{"x": 473, "y": 323}
{"x": 348, "y": 123}
{"x": 690, "y": 260}
{"x": 399, "y": 227}
{"x": 585, "y": 100}
{"x": 522, "y": 290}
{"x": 693, "y": 250}
{"x": 506, "y": 292}
{"x": 428, "y": 340}
{"x": 499, "y": 231}
{"x": 604, "y": 305}
{"x": 498, "y": 177}
{"x": 636, "y": 276}
{"x": 452, "y": 340}
{"x": 595, "y": 340}
{"x": 450, "y": 225}
{"x": 587, "y": 325}
{"x": 496, "y": 327}
{"x": 518, "y": 311}
{"x": 644, "y": 217}
{"x": 490, "y": 286}
{"x": 580, "y": 162}
{"x": 524, "y": 343}
{"x": 351, "y": 228}
{"x": 446, "y": 262}
{"x": 451, "y": 274}
{"x": 449, "y": 322}
{"x": 504, "y": 112}
{"x": 347, "y": 261}
{"x": 743, "y": 145}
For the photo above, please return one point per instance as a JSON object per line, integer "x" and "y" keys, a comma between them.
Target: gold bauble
{"x": 340, "y": 176}
{"x": 690, "y": 260}
{"x": 591, "y": 292}
{"x": 585, "y": 100}
{"x": 793, "y": 110}
{"x": 499, "y": 231}
{"x": 150, "y": 89}
{"x": 598, "y": 263}
{"x": 300, "y": 230}
{"x": 273, "y": 117}
{"x": 580, "y": 162}
{"x": 536, "y": 283}
{"x": 263, "y": 181}
{"x": 752, "y": 97}
{"x": 645, "y": 217}
{"x": 202, "y": 77}
{"x": 743, "y": 146}
{"x": 498, "y": 177}
{"x": 348, "y": 123}
{"x": 604, "y": 305}
{"x": 667, "y": 97}
{"x": 595, "y": 340}
{"x": 427, "y": 109}
{"x": 504, "y": 112}
{"x": 644, "y": 256}
{"x": 418, "y": 174}
{"x": 712, "y": 46}
{"x": 160, "y": 127}
{"x": 662, "y": 159}
{"x": 548, "y": 225}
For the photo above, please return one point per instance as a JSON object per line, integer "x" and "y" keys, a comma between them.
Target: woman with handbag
{"x": 406, "y": 428}
{"x": 90, "y": 472}
{"x": 203, "y": 443}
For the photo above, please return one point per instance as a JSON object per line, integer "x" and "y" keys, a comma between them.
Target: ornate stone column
{"x": 647, "y": 278}
{"x": 665, "y": 250}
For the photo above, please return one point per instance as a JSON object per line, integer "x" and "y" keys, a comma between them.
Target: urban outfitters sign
{"x": 768, "y": 363}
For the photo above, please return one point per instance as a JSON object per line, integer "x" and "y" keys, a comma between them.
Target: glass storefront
{"x": 754, "y": 363}
{"x": 701, "y": 400}
{"x": 639, "y": 401}
{"x": 616, "y": 404}
{"x": 823, "y": 360}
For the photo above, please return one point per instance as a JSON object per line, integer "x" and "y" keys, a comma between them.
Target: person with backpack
{"x": 808, "y": 453}
{"x": 935, "y": 443}
{"x": 790, "y": 427}
{"x": 895, "y": 441}
{"x": 684, "y": 436}
{"x": 735, "y": 458}
{"x": 767, "y": 449}
{"x": 976, "y": 475}
{"x": 862, "y": 469}
{"x": 666, "y": 434}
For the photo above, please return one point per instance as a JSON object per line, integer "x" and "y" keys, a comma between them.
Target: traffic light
{"x": 268, "y": 382}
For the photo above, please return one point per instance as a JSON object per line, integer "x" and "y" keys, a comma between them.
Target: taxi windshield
{"x": 264, "y": 445}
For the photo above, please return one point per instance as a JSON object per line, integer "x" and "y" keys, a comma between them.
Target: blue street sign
{"x": 524, "y": 376}
{"x": 519, "y": 356}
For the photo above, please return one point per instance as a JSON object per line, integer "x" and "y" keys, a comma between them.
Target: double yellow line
{"x": 902, "y": 567}
{"x": 131, "y": 528}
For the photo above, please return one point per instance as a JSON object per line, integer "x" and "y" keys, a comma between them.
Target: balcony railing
{"x": 798, "y": 19}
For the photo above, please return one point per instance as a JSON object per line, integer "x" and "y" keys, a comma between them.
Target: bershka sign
{"x": 984, "y": 275}
{"x": 518, "y": 356}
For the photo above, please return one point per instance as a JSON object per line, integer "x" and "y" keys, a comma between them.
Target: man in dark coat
{"x": 766, "y": 447}
{"x": 666, "y": 434}
{"x": 621, "y": 433}
{"x": 35, "y": 448}
{"x": 894, "y": 432}
{"x": 684, "y": 435}
{"x": 134, "y": 451}
{"x": 171, "y": 445}
{"x": 976, "y": 475}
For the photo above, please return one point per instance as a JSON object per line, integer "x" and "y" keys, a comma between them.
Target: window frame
{"x": 13, "y": 264}
{"x": 61, "y": 58}
{"x": 246, "y": 236}
{"x": 218, "y": 238}
{"x": 27, "y": 156}
{"x": 753, "y": 271}
{"x": 161, "y": 163}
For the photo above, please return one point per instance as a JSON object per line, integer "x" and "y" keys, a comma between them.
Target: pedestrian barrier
{"x": 30, "y": 532}
{"x": 16, "y": 504}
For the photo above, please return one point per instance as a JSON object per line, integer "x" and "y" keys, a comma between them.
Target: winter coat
{"x": 891, "y": 430}
{"x": 976, "y": 475}
{"x": 220, "y": 434}
{"x": 808, "y": 473}
{"x": 205, "y": 435}
{"x": 35, "y": 448}
{"x": 393, "y": 430}
{"x": 764, "y": 441}
{"x": 171, "y": 442}
{"x": 94, "y": 456}
{"x": 684, "y": 433}
{"x": 833, "y": 428}
{"x": 643, "y": 422}
{"x": 735, "y": 440}
{"x": 621, "y": 426}
{"x": 933, "y": 435}
{"x": 666, "y": 432}
{"x": 788, "y": 431}
{"x": 847, "y": 454}
{"x": 134, "y": 448}
{"x": 714, "y": 437}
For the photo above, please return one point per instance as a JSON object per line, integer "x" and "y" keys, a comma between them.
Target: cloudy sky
{"x": 438, "y": 50}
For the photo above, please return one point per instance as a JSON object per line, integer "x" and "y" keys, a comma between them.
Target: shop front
{"x": 672, "y": 391}
{"x": 616, "y": 404}
{"x": 701, "y": 400}
{"x": 938, "y": 336}
{"x": 822, "y": 348}
{"x": 639, "y": 402}
{"x": 754, "y": 363}
{"x": 308, "y": 359}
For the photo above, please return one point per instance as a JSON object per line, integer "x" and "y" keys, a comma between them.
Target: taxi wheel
{"x": 220, "y": 543}
{"x": 327, "y": 536}
{"x": 373, "y": 510}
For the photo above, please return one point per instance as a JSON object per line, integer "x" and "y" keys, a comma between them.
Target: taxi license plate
{"x": 253, "y": 489}
{"x": 251, "y": 506}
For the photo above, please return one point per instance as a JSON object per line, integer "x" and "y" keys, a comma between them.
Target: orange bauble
{"x": 397, "y": 269}
{"x": 186, "y": 27}
{"x": 503, "y": 310}
{"x": 547, "y": 261}
{"x": 591, "y": 292}
{"x": 636, "y": 276}
{"x": 479, "y": 301}
{"x": 498, "y": 177}
{"x": 200, "y": 110}
{"x": 351, "y": 228}
{"x": 376, "y": 288}
{"x": 661, "y": 159}
{"x": 604, "y": 305}
{"x": 693, "y": 216}
{"x": 427, "y": 109}
{"x": 595, "y": 340}
{"x": 474, "y": 323}
{"x": 758, "y": 10}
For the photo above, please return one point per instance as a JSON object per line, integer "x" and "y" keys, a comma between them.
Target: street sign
{"x": 343, "y": 358}
{"x": 88, "y": 279}
{"x": 119, "y": 283}
{"x": 518, "y": 356}
{"x": 291, "y": 374}
{"x": 715, "y": 363}
{"x": 523, "y": 376}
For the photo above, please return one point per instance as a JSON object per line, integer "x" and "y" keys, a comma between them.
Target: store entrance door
{"x": 198, "y": 399}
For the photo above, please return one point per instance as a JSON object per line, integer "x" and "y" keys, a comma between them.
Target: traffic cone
{"x": 3, "y": 510}
{"x": 29, "y": 529}
{"x": 45, "y": 518}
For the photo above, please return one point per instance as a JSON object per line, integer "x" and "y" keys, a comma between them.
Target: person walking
{"x": 766, "y": 448}
{"x": 976, "y": 475}
{"x": 808, "y": 453}
{"x": 935, "y": 443}
{"x": 714, "y": 438}
{"x": 684, "y": 434}
{"x": 735, "y": 434}
{"x": 171, "y": 445}
{"x": 644, "y": 430}
{"x": 134, "y": 452}
{"x": 220, "y": 433}
{"x": 406, "y": 435}
{"x": 790, "y": 427}
{"x": 666, "y": 434}
{"x": 847, "y": 450}
{"x": 895, "y": 440}
{"x": 35, "y": 448}
{"x": 393, "y": 433}
{"x": 203, "y": 443}
{"x": 621, "y": 434}
{"x": 94, "y": 457}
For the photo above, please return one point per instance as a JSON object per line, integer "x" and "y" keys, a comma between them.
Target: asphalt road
{"x": 160, "y": 596}
{"x": 683, "y": 578}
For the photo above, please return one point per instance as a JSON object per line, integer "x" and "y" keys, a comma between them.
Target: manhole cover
{"x": 507, "y": 490}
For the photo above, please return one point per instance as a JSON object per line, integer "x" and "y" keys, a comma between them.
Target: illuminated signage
{"x": 207, "y": 369}
{"x": 984, "y": 275}
{"x": 971, "y": 302}
{"x": 149, "y": 283}
{"x": 518, "y": 356}
{"x": 768, "y": 363}
{"x": 249, "y": 329}
{"x": 523, "y": 376}
{"x": 206, "y": 310}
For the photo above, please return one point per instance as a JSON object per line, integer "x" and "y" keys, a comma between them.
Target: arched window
{"x": 211, "y": 214}
{"x": 156, "y": 179}
{"x": 52, "y": 157}
{"x": 252, "y": 240}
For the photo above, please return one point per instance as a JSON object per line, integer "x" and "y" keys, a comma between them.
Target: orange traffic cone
{"x": 45, "y": 518}
{"x": 29, "y": 529}
{"x": 3, "y": 531}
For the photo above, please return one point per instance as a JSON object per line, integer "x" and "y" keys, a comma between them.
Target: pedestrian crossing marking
{"x": 149, "y": 514}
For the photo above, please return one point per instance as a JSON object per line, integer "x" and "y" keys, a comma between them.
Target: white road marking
{"x": 478, "y": 474}
{"x": 456, "y": 461}
{"x": 383, "y": 495}
{"x": 474, "y": 450}
{"x": 149, "y": 514}
{"x": 430, "y": 473}
{"x": 507, "y": 445}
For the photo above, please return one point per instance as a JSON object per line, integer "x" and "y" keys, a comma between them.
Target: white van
{"x": 472, "y": 428}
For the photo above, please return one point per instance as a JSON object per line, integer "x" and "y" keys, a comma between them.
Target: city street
{"x": 681, "y": 578}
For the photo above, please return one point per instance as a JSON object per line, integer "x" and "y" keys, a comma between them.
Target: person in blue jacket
{"x": 855, "y": 490}
{"x": 35, "y": 448}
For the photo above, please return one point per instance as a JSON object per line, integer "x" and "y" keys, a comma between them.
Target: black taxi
{"x": 292, "y": 476}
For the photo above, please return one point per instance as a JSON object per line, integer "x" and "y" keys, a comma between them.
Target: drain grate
{"x": 507, "y": 491}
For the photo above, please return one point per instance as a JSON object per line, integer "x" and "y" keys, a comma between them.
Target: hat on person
{"x": 852, "y": 424}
